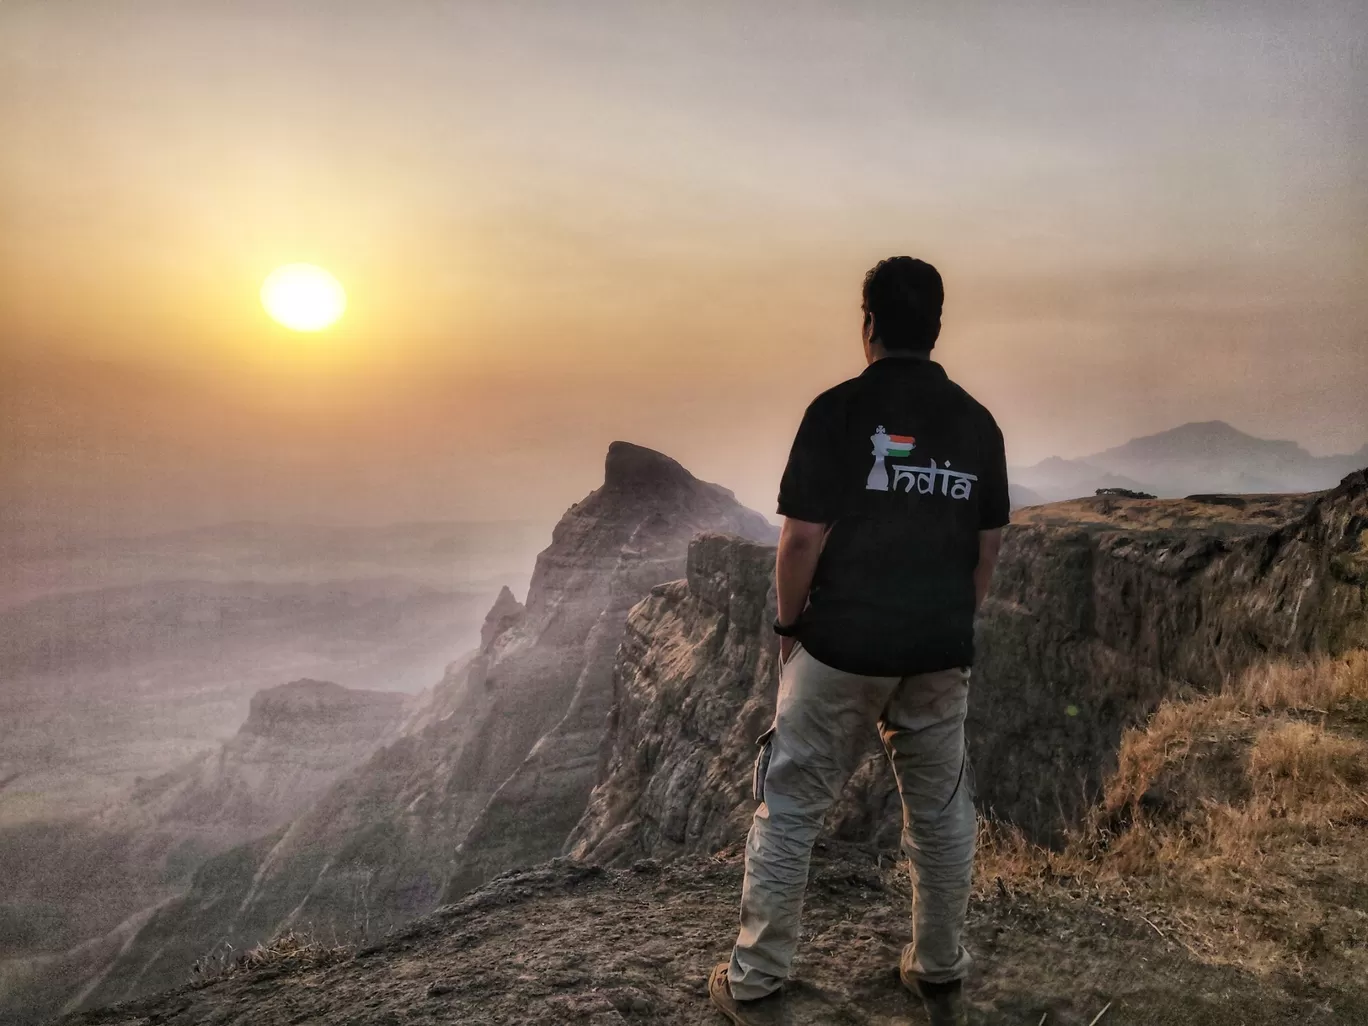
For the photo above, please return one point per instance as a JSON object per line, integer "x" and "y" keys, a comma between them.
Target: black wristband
{"x": 785, "y": 631}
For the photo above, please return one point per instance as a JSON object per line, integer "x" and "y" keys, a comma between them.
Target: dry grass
{"x": 285, "y": 952}
{"x": 1238, "y": 818}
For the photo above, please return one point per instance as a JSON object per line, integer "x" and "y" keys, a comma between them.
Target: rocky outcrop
{"x": 1103, "y": 607}
{"x": 297, "y": 740}
{"x": 493, "y": 776}
{"x": 695, "y": 685}
{"x": 503, "y": 614}
{"x": 1100, "y": 609}
{"x": 606, "y": 554}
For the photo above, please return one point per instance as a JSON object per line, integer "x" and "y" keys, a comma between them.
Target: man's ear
{"x": 868, "y": 330}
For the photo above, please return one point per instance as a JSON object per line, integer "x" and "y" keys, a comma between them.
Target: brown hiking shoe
{"x": 763, "y": 1011}
{"x": 944, "y": 1002}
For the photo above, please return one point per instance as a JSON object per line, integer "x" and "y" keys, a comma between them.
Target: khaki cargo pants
{"x": 820, "y": 726}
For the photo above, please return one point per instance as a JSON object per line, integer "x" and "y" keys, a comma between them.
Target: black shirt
{"x": 906, "y": 469}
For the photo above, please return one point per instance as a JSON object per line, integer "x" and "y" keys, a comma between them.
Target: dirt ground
{"x": 574, "y": 944}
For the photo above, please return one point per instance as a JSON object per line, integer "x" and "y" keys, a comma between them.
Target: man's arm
{"x": 800, "y": 543}
{"x": 800, "y": 546}
{"x": 995, "y": 507}
{"x": 990, "y": 544}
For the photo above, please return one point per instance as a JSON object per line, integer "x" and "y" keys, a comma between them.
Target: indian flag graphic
{"x": 901, "y": 445}
{"x": 886, "y": 445}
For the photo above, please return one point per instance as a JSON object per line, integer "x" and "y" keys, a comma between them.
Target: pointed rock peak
{"x": 503, "y": 614}
{"x": 631, "y": 466}
{"x": 505, "y": 608}
{"x": 505, "y": 603}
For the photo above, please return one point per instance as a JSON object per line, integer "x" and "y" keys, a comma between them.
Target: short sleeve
{"x": 995, "y": 504}
{"x": 810, "y": 486}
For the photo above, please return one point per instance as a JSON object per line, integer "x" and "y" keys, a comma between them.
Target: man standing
{"x": 884, "y": 558}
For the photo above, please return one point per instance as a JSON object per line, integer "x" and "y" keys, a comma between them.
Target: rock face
{"x": 493, "y": 776}
{"x": 1100, "y": 609}
{"x": 606, "y": 554}
{"x": 695, "y": 683}
{"x": 298, "y": 738}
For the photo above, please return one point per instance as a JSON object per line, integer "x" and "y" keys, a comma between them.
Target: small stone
{"x": 646, "y": 866}
{"x": 438, "y": 989}
{"x": 640, "y": 1006}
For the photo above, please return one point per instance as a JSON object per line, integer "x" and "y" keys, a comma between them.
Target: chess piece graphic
{"x": 878, "y": 474}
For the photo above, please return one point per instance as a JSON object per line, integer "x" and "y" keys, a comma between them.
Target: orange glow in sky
{"x": 652, "y": 224}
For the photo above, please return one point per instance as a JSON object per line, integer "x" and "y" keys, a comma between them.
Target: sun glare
{"x": 303, "y": 297}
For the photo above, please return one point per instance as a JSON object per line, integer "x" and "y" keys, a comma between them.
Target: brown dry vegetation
{"x": 1236, "y": 824}
{"x": 290, "y": 951}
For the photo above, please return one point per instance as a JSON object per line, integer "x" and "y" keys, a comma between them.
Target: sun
{"x": 303, "y": 297}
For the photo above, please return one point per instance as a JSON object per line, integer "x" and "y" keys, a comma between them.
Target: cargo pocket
{"x": 965, "y": 781}
{"x": 762, "y": 761}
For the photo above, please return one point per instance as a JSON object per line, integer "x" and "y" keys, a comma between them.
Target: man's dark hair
{"x": 905, "y": 298}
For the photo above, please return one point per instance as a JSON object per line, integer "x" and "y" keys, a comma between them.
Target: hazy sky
{"x": 560, "y": 224}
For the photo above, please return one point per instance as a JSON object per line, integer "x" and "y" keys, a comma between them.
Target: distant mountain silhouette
{"x": 1020, "y": 496}
{"x": 1054, "y": 478}
{"x": 1210, "y": 456}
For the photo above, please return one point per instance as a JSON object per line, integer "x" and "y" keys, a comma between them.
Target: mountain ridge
{"x": 1199, "y": 456}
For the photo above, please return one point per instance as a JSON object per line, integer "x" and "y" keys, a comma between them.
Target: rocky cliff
{"x": 606, "y": 554}
{"x": 493, "y": 776}
{"x": 1100, "y": 609}
{"x": 1103, "y": 607}
{"x": 695, "y": 683}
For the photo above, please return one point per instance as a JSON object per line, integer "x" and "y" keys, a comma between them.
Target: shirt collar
{"x": 910, "y": 366}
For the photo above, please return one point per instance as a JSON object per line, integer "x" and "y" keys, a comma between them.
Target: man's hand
{"x": 990, "y": 543}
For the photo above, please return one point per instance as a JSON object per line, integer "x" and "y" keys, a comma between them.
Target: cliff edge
{"x": 1101, "y": 609}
